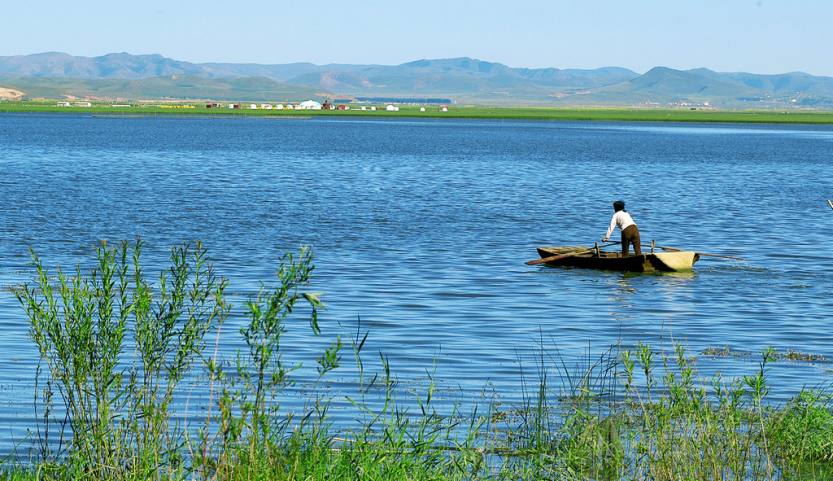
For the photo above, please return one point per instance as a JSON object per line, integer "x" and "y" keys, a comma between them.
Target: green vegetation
{"x": 114, "y": 347}
{"x": 172, "y": 87}
{"x": 790, "y": 355}
{"x": 457, "y": 112}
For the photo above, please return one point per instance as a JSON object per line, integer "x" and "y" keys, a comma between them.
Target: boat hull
{"x": 613, "y": 261}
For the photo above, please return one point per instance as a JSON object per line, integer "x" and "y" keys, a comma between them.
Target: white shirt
{"x": 622, "y": 219}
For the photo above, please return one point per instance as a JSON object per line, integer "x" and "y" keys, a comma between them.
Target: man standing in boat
{"x": 630, "y": 233}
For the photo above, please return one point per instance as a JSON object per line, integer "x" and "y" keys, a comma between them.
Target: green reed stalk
{"x": 640, "y": 415}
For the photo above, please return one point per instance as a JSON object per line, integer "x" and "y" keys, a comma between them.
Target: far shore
{"x": 433, "y": 111}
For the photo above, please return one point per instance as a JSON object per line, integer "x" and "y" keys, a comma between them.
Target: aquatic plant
{"x": 117, "y": 404}
{"x": 114, "y": 348}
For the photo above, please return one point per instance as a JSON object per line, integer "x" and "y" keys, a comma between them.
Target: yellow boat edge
{"x": 678, "y": 261}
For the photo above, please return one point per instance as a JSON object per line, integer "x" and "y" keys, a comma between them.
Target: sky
{"x": 760, "y": 36}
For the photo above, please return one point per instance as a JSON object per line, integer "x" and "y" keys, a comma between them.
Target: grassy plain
{"x": 455, "y": 111}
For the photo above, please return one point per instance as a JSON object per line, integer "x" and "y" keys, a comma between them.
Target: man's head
{"x": 618, "y": 205}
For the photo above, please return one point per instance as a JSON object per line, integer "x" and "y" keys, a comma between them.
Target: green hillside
{"x": 253, "y": 88}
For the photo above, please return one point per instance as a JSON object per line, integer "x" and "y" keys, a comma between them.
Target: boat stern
{"x": 674, "y": 261}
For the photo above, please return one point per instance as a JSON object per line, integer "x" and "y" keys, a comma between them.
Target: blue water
{"x": 421, "y": 229}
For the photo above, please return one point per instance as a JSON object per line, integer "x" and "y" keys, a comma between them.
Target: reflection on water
{"x": 801, "y": 131}
{"x": 421, "y": 229}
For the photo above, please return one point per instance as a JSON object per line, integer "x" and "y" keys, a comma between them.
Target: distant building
{"x": 213, "y": 105}
{"x": 252, "y": 106}
{"x": 372, "y": 107}
{"x": 364, "y": 107}
{"x": 279, "y": 107}
{"x": 327, "y": 105}
{"x": 391, "y": 108}
{"x": 343, "y": 107}
{"x": 266, "y": 106}
{"x": 443, "y": 108}
{"x": 83, "y": 104}
{"x": 310, "y": 105}
{"x": 422, "y": 109}
{"x": 64, "y": 104}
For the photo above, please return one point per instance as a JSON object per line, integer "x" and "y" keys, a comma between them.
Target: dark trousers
{"x": 630, "y": 236}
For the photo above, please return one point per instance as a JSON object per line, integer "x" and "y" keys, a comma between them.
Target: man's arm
{"x": 610, "y": 229}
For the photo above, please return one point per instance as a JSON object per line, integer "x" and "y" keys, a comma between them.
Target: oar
{"x": 674, "y": 249}
{"x": 558, "y": 257}
{"x": 830, "y": 203}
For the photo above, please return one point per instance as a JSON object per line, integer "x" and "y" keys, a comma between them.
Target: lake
{"x": 420, "y": 228}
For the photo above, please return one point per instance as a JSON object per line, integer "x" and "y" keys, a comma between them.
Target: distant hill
{"x": 664, "y": 85}
{"x": 463, "y": 80}
{"x": 247, "y": 88}
{"x": 701, "y": 87}
{"x": 110, "y": 66}
{"x": 10, "y": 94}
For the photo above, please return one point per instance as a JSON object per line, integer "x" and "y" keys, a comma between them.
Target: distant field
{"x": 469, "y": 112}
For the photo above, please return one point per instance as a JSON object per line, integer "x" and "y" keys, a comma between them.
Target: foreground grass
{"x": 637, "y": 414}
{"x": 457, "y": 112}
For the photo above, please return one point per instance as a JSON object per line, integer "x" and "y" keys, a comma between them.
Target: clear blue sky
{"x": 763, "y": 36}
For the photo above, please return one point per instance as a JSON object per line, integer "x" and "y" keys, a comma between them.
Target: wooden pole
{"x": 674, "y": 249}
{"x": 544, "y": 260}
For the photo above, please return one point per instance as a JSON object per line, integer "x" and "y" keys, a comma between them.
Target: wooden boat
{"x": 613, "y": 261}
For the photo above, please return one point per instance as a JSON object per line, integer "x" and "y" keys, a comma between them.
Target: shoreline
{"x": 462, "y": 112}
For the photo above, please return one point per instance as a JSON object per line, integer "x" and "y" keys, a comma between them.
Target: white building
{"x": 252, "y": 106}
{"x": 266, "y": 106}
{"x": 309, "y": 105}
{"x": 443, "y": 109}
{"x": 373, "y": 107}
{"x": 364, "y": 107}
{"x": 279, "y": 107}
{"x": 64, "y": 104}
{"x": 391, "y": 108}
{"x": 83, "y": 104}
{"x": 422, "y": 109}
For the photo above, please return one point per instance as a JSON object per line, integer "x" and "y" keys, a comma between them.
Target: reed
{"x": 114, "y": 347}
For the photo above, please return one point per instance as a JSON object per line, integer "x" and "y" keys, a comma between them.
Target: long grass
{"x": 114, "y": 347}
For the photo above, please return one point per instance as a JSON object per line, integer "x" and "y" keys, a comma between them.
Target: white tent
{"x": 309, "y": 105}
{"x": 392, "y": 108}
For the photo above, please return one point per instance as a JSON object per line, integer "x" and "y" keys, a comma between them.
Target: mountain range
{"x": 464, "y": 80}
